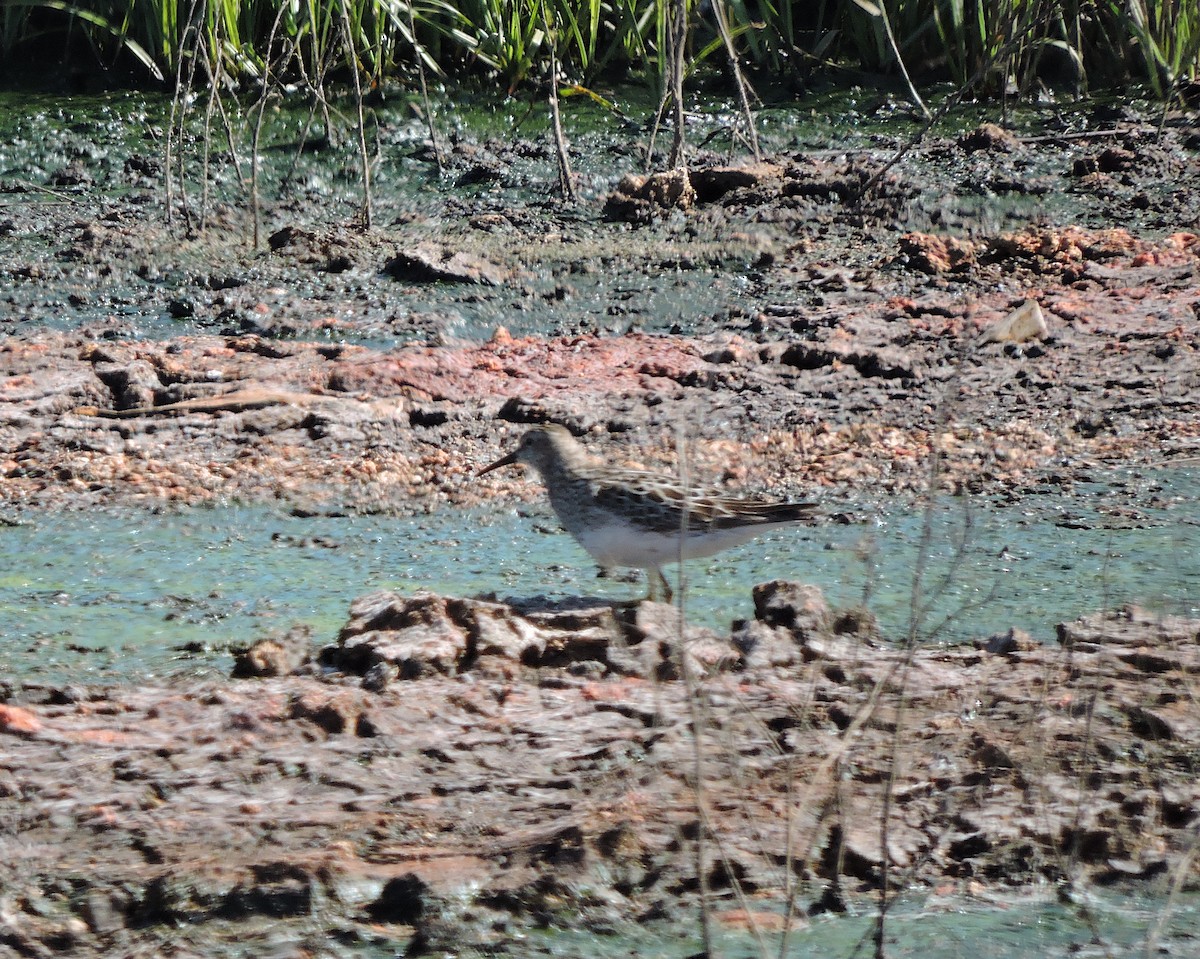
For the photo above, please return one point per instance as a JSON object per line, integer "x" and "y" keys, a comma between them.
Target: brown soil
{"x": 468, "y": 770}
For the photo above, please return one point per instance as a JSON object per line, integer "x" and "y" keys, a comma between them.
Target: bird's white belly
{"x": 615, "y": 544}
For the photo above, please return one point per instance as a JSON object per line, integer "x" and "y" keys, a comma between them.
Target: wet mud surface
{"x": 470, "y": 770}
{"x": 461, "y": 770}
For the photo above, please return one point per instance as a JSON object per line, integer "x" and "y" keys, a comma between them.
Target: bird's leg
{"x": 658, "y": 580}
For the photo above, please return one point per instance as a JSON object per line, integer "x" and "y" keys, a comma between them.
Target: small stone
{"x": 275, "y": 655}
{"x": 1026, "y": 322}
{"x": 379, "y": 677}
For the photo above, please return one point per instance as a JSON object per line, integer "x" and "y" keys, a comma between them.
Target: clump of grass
{"x": 1155, "y": 41}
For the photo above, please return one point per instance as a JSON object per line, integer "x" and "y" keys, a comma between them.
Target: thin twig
{"x": 362, "y": 129}
{"x": 419, "y": 53}
{"x": 739, "y": 80}
{"x": 208, "y": 113}
{"x": 560, "y": 141}
{"x": 175, "y": 109}
{"x": 256, "y": 137}
{"x": 891, "y": 38}
{"x": 692, "y": 692}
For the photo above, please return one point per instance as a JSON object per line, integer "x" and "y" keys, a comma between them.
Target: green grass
{"x": 1002, "y": 42}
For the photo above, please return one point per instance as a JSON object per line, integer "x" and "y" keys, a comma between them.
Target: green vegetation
{"x": 995, "y": 45}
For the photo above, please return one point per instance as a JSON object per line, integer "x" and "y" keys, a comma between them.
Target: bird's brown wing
{"x": 663, "y": 505}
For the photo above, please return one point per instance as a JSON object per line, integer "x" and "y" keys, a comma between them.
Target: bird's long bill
{"x": 503, "y": 461}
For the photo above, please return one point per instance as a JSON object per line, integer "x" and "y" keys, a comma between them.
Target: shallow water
{"x": 133, "y": 596}
{"x": 1114, "y": 925}
{"x": 941, "y": 928}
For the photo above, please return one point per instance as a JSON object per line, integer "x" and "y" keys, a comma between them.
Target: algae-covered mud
{"x": 282, "y": 675}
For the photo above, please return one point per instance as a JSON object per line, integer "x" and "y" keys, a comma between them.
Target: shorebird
{"x": 637, "y": 518}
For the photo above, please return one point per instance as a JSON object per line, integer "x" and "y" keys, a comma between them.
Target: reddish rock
{"x": 14, "y": 719}
{"x": 937, "y": 254}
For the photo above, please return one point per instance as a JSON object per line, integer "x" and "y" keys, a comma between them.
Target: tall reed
{"x": 1153, "y": 41}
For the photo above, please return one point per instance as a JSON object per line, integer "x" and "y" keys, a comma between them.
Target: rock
{"x": 1123, "y": 632}
{"x": 343, "y": 711}
{"x": 575, "y": 636}
{"x": 1025, "y": 323}
{"x": 657, "y": 639}
{"x": 379, "y": 677}
{"x": 275, "y": 655}
{"x": 415, "y": 634}
{"x": 1008, "y": 643}
{"x": 434, "y": 263}
{"x": 402, "y": 900}
{"x": 858, "y": 622}
{"x": 1149, "y": 723}
{"x": 14, "y": 719}
{"x": 712, "y": 183}
{"x": 277, "y": 889}
{"x": 937, "y": 254}
{"x": 886, "y": 362}
{"x": 1111, "y": 160}
{"x": 798, "y": 607}
{"x": 762, "y": 645}
{"x": 988, "y": 136}
{"x": 104, "y": 910}
{"x": 640, "y": 198}
{"x": 132, "y": 384}
{"x": 495, "y": 630}
{"x": 989, "y": 754}
{"x": 425, "y": 635}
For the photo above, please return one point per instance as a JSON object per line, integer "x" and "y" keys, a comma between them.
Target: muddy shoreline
{"x": 487, "y": 792}
{"x": 470, "y": 770}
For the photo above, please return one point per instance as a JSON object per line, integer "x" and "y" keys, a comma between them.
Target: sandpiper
{"x": 637, "y": 518}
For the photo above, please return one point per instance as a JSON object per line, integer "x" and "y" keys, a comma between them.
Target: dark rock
{"x": 427, "y": 416}
{"x": 884, "y": 362}
{"x": 1009, "y": 643}
{"x": 379, "y": 677}
{"x": 404, "y": 900}
{"x": 1148, "y": 723}
{"x": 856, "y": 621}
{"x": 278, "y": 889}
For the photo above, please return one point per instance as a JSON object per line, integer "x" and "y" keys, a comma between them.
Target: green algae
{"x": 127, "y": 596}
